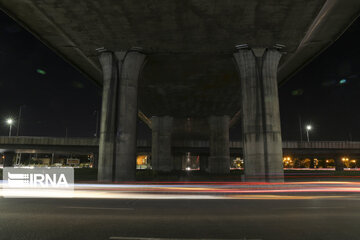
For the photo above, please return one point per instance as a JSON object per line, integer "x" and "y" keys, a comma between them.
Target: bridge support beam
{"x": 339, "y": 165}
{"x": 161, "y": 143}
{"x": 219, "y": 160}
{"x": 108, "y": 113}
{"x": 117, "y": 148}
{"x": 178, "y": 161}
{"x": 130, "y": 65}
{"x": 260, "y": 114}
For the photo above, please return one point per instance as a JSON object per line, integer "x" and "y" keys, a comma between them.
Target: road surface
{"x": 176, "y": 213}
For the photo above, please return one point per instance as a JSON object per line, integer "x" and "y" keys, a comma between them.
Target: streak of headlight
{"x": 200, "y": 190}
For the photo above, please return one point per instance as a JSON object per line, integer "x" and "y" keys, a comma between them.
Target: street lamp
{"x": 308, "y": 128}
{"x": 10, "y": 122}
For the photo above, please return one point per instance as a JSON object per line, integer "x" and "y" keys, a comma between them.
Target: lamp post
{"x": 18, "y": 120}
{"x": 308, "y": 128}
{"x": 10, "y": 122}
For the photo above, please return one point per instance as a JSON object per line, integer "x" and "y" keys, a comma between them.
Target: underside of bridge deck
{"x": 185, "y": 68}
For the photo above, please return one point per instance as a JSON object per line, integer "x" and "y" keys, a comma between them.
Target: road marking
{"x": 140, "y": 238}
{"x": 310, "y": 208}
{"x": 319, "y": 207}
{"x": 99, "y": 208}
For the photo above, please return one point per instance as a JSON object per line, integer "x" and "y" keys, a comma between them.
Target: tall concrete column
{"x": 130, "y": 65}
{"x": 260, "y": 114}
{"x": 339, "y": 165}
{"x": 219, "y": 160}
{"x": 117, "y": 149}
{"x": 161, "y": 143}
{"x": 108, "y": 114}
{"x": 204, "y": 163}
{"x": 178, "y": 159}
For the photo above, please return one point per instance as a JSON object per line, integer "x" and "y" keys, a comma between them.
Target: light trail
{"x": 199, "y": 190}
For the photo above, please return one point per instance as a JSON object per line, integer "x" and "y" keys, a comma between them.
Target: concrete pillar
{"x": 161, "y": 143}
{"x": 108, "y": 114}
{"x": 178, "y": 159}
{"x": 260, "y": 114}
{"x": 339, "y": 165}
{"x": 204, "y": 163}
{"x": 218, "y": 161}
{"x": 130, "y": 65}
{"x": 117, "y": 149}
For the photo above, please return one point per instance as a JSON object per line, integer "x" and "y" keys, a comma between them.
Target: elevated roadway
{"x": 189, "y": 69}
{"x": 91, "y": 145}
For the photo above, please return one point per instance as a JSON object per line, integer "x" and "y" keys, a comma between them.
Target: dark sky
{"x": 64, "y": 99}
{"x": 60, "y": 99}
{"x": 318, "y": 97}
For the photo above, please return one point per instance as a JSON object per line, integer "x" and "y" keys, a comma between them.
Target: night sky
{"x": 62, "y": 100}
{"x": 319, "y": 96}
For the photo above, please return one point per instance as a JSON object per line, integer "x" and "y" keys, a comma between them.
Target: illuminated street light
{"x": 10, "y": 122}
{"x": 308, "y": 128}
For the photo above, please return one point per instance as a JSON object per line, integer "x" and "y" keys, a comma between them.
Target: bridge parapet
{"x": 49, "y": 141}
{"x": 94, "y": 142}
{"x": 285, "y": 144}
{"x": 321, "y": 145}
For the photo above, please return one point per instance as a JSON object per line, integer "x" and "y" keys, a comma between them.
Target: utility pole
{"x": 18, "y": 122}
{"x": 10, "y": 122}
{"x": 308, "y": 128}
{"x": 300, "y": 129}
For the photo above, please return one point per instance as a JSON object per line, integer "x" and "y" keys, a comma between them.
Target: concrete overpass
{"x": 183, "y": 78}
{"x": 49, "y": 145}
{"x": 91, "y": 145}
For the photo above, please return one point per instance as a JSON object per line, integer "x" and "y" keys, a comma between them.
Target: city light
{"x": 308, "y": 127}
{"x": 9, "y": 121}
{"x": 287, "y": 162}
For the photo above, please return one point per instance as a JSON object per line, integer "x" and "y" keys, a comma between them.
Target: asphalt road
{"x": 275, "y": 216}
